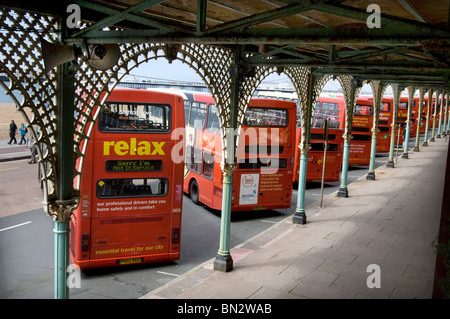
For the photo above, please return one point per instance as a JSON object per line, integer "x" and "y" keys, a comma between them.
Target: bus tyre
{"x": 193, "y": 192}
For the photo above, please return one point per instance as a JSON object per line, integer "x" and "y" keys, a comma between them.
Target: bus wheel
{"x": 193, "y": 192}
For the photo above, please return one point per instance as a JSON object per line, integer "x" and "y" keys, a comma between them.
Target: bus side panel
{"x": 80, "y": 224}
{"x": 177, "y": 195}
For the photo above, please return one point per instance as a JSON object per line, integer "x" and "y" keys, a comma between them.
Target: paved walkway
{"x": 14, "y": 151}
{"x": 390, "y": 222}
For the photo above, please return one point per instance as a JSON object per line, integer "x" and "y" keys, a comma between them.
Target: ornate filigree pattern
{"x": 378, "y": 89}
{"x": 30, "y": 88}
{"x": 33, "y": 89}
{"x": 351, "y": 89}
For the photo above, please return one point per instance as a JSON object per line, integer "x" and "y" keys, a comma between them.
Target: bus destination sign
{"x": 133, "y": 165}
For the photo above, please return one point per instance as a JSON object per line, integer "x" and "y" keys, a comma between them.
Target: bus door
{"x": 359, "y": 154}
{"x": 131, "y": 189}
{"x": 263, "y": 178}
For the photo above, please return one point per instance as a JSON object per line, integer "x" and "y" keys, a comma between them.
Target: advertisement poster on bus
{"x": 248, "y": 193}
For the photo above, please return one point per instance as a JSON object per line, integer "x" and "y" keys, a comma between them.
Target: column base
{"x": 371, "y": 176}
{"x": 405, "y": 155}
{"x": 425, "y": 143}
{"x": 342, "y": 192}
{"x": 416, "y": 149}
{"x": 438, "y": 136}
{"x": 299, "y": 218}
{"x": 432, "y": 139}
{"x": 390, "y": 164}
{"x": 223, "y": 263}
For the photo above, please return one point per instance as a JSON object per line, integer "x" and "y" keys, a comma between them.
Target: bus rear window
{"x": 320, "y": 147}
{"x": 257, "y": 163}
{"x": 363, "y": 110}
{"x": 132, "y": 187}
{"x": 121, "y": 117}
{"x": 266, "y": 117}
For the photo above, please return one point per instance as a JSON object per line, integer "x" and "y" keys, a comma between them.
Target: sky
{"x": 160, "y": 69}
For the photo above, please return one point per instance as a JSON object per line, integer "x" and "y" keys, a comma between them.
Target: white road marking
{"x": 167, "y": 273}
{"x": 18, "y": 225}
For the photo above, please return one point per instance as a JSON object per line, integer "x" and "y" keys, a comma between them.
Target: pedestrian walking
{"x": 23, "y": 131}
{"x": 33, "y": 149}
{"x": 12, "y": 132}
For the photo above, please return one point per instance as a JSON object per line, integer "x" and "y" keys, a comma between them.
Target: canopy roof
{"x": 409, "y": 43}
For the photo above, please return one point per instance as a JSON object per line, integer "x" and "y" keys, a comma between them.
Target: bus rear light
{"x": 84, "y": 242}
{"x": 175, "y": 235}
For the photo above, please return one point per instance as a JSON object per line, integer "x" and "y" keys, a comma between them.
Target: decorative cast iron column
{"x": 411, "y": 91}
{"x": 419, "y": 118}
{"x": 378, "y": 90}
{"x": 351, "y": 88}
{"x": 397, "y": 92}
{"x": 433, "y": 131}
{"x": 430, "y": 98}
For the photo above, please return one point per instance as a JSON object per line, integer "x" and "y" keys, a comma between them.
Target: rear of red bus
{"x": 131, "y": 189}
{"x": 384, "y": 125}
{"x": 424, "y": 115}
{"x": 263, "y": 178}
{"x": 402, "y": 116}
{"x": 333, "y": 109}
{"x": 333, "y": 164}
{"x": 360, "y": 143}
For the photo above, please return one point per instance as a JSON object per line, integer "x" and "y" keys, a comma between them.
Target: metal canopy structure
{"x": 408, "y": 43}
{"x": 233, "y": 45}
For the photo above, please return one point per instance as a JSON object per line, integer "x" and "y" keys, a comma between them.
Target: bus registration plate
{"x": 259, "y": 207}
{"x": 130, "y": 261}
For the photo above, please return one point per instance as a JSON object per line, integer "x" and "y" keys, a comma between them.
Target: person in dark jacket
{"x": 12, "y": 132}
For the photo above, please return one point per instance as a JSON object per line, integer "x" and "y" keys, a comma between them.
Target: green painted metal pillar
{"x": 441, "y": 110}
{"x": 64, "y": 172}
{"x": 408, "y": 122}
{"x": 304, "y": 146}
{"x": 223, "y": 261}
{"x": 419, "y": 119}
{"x": 447, "y": 115}
{"x": 343, "y": 190}
{"x": 397, "y": 91}
{"x": 373, "y": 146}
{"x": 349, "y": 109}
{"x": 433, "y": 131}
{"x": 427, "y": 121}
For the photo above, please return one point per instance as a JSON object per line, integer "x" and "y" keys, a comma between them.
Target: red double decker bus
{"x": 361, "y": 132}
{"x": 131, "y": 189}
{"x": 333, "y": 109}
{"x": 424, "y": 114}
{"x": 263, "y": 176}
{"x": 327, "y": 107}
{"x": 402, "y": 116}
{"x": 385, "y": 118}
